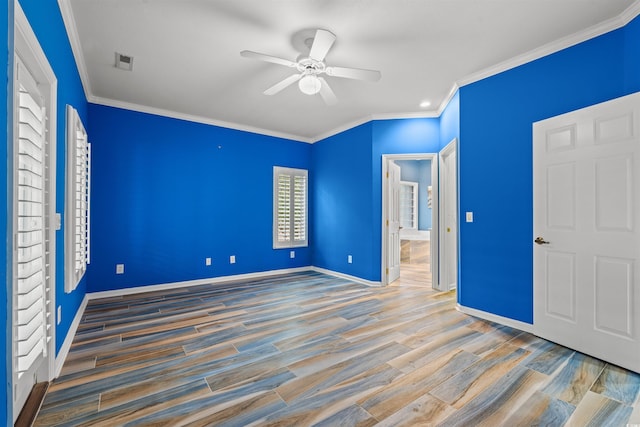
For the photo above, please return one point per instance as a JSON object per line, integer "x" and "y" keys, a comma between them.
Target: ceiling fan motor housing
{"x": 310, "y": 66}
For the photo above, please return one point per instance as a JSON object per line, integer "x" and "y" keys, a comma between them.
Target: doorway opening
{"x": 420, "y": 220}
{"x": 410, "y": 218}
{"x": 415, "y": 210}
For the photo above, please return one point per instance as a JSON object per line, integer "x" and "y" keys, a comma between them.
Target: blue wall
{"x": 495, "y": 164}
{"x": 632, "y": 56}
{"x": 342, "y": 216}
{"x": 450, "y": 121}
{"x": 402, "y": 136}
{"x": 419, "y": 171}
{"x": 167, "y": 193}
{"x": 6, "y": 76}
{"x": 347, "y": 192}
{"x": 46, "y": 22}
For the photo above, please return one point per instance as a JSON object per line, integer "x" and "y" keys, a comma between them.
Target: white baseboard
{"x": 346, "y": 276}
{"x": 527, "y": 327}
{"x": 71, "y": 333}
{"x": 212, "y": 280}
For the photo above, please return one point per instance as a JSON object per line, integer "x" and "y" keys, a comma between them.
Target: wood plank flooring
{"x": 309, "y": 349}
{"x": 415, "y": 267}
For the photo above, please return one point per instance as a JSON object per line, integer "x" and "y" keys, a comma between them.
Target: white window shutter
{"x": 290, "y": 217}
{"x": 77, "y": 201}
{"x": 31, "y": 322}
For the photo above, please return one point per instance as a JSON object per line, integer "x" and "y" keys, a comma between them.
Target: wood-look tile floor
{"x": 310, "y": 349}
{"x": 415, "y": 275}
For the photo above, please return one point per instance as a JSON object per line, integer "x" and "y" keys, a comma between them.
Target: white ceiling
{"x": 187, "y": 59}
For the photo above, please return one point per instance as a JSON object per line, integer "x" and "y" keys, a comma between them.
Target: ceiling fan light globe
{"x": 309, "y": 84}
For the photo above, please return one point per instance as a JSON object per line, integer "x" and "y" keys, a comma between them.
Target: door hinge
{"x": 387, "y": 174}
{"x": 387, "y": 223}
{"x": 387, "y": 271}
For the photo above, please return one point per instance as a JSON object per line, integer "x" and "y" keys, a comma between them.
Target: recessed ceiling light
{"x": 425, "y": 104}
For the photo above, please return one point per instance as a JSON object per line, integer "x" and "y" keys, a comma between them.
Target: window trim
{"x": 290, "y": 243}
{"x": 414, "y": 205}
{"x": 73, "y": 273}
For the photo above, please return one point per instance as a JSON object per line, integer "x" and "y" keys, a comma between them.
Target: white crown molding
{"x": 260, "y": 131}
{"x": 372, "y": 117}
{"x": 447, "y": 99}
{"x": 340, "y": 129}
{"x": 612, "y": 24}
{"x": 72, "y": 34}
{"x": 631, "y": 13}
{"x": 429, "y": 114}
{"x": 556, "y": 46}
{"x": 197, "y": 119}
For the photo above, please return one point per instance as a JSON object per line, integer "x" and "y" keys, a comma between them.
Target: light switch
{"x": 119, "y": 268}
{"x": 469, "y": 216}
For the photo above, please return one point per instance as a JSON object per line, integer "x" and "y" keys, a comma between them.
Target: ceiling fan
{"x": 311, "y": 68}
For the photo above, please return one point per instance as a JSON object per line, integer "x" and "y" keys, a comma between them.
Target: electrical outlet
{"x": 207, "y": 261}
{"x": 292, "y": 254}
{"x": 59, "y": 317}
{"x": 469, "y": 216}
{"x": 119, "y": 268}
{"x": 349, "y": 259}
{"x": 232, "y": 259}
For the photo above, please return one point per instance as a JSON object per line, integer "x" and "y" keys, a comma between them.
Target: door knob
{"x": 541, "y": 241}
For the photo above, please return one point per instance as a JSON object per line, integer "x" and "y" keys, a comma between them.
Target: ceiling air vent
{"x": 124, "y": 62}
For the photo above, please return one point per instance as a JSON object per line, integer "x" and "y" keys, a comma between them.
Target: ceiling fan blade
{"x": 354, "y": 73}
{"x": 267, "y": 58}
{"x": 326, "y": 93}
{"x": 283, "y": 84}
{"x": 322, "y": 42}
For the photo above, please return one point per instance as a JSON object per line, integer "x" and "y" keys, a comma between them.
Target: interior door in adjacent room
{"x": 393, "y": 222}
{"x": 586, "y": 183}
{"x": 449, "y": 218}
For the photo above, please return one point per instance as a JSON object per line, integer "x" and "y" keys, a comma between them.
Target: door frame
{"x": 386, "y": 158}
{"x": 30, "y": 52}
{"x": 443, "y": 283}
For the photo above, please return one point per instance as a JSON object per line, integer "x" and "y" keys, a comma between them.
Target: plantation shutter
{"x": 77, "y": 220}
{"x": 284, "y": 208}
{"x": 290, "y": 207}
{"x": 299, "y": 207}
{"x": 31, "y": 321}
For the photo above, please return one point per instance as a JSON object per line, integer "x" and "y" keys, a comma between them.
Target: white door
{"x": 32, "y": 208}
{"x": 393, "y": 222}
{"x": 449, "y": 219}
{"x": 30, "y": 242}
{"x": 586, "y": 217}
